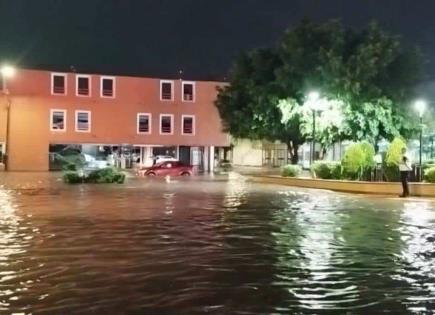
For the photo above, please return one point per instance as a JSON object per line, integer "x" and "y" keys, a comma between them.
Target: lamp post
{"x": 7, "y": 72}
{"x": 420, "y": 107}
{"x": 313, "y": 104}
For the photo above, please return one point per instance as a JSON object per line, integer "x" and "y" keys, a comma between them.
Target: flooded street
{"x": 205, "y": 245}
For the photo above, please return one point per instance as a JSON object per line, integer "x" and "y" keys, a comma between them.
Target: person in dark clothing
{"x": 405, "y": 168}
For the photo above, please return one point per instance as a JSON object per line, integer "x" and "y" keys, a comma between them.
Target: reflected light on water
{"x": 418, "y": 261}
{"x": 235, "y": 191}
{"x": 13, "y": 242}
{"x": 307, "y": 261}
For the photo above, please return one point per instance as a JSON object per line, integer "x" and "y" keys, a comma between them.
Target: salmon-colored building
{"x": 44, "y": 113}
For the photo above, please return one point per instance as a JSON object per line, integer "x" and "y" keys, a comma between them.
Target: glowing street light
{"x": 7, "y": 71}
{"x": 420, "y": 107}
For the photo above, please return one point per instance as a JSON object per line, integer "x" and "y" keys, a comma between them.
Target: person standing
{"x": 405, "y": 168}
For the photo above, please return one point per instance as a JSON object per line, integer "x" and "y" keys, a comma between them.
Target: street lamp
{"x": 7, "y": 72}
{"x": 314, "y": 104}
{"x": 420, "y": 107}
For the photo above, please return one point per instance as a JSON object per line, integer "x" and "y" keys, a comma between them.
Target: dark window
{"x": 83, "y": 86}
{"x": 83, "y": 121}
{"x": 144, "y": 124}
{"x": 58, "y": 84}
{"x": 166, "y": 91}
{"x": 188, "y": 125}
{"x": 58, "y": 120}
{"x": 188, "y": 92}
{"x": 107, "y": 87}
{"x": 166, "y": 124}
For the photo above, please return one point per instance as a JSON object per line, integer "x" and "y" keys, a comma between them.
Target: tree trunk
{"x": 293, "y": 149}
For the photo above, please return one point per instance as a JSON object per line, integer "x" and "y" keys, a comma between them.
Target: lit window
{"x": 188, "y": 91}
{"x": 83, "y": 121}
{"x": 144, "y": 123}
{"x": 58, "y": 120}
{"x": 166, "y": 123}
{"x": 166, "y": 90}
{"x": 83, "y": 85}
{"x": 58, "y": 83}
{"x": 188, "y": 125}
{"x": 107, "y": 87}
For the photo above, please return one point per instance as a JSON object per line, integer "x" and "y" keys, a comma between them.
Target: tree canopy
{"x": 365, "y": 78}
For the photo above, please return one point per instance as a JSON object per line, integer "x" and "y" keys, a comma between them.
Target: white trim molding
{"x": 172, "y": 124}
{"x": 171, "y": 82}
{"x": 183, "y": 83}
{"x": 77, "y": 120}
{"x": 52, "y": 111}
{"x": 65, "y": 80}
{"x": 84, "y": 76}
{"x": 113, "y": 86}
{"x": 149, "y": 123}
{"x": 193, "y": 125}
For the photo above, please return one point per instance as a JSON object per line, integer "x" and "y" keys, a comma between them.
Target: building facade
{"x": 44, "y": 113}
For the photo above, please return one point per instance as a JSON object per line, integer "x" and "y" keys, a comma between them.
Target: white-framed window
{"x": 83, "y": 85}
{"x": 58, "y": 83}
{"x": 166, "y": 90}
{"x": 58, "y": 120}
{"x": 144, "y": 123}
{"x": 108, "y": 86}
{"x": 83, "y": 121}
{"x": 166, "y": 124}
{"x": 188, "y": 91}
{"x": 188, "y": 125}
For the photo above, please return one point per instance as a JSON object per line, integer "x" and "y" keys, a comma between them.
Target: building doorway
{"x": 184, "y": 154}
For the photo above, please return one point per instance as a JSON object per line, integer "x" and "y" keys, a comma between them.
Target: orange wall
{"x": 113, "y": 121}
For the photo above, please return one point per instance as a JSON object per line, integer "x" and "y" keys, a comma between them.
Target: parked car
{"x": 163, "y": 158}
{"x": 170, "y": 168}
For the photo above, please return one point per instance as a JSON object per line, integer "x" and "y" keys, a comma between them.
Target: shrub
{"x": 394, "y": 152}
{"x": 353, "y": 161}
{"x": 119, "y": 178}
{"x": 327, "y": 170}
{"x": 72, "y": 178}
{"x": 392, "y": 160}
{"x": 429, "y": 175}
{"x": 369, "y": 152}
{"x": 103, "y": 176}
{"x": 69, "y": 167}
{"x": 291, "y": 170}
{"x": 358, "y": 160}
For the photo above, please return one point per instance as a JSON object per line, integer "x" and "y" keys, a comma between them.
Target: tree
{"x": 366, "y": 79}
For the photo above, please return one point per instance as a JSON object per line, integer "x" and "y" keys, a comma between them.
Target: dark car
{"x": 171, "y": 168}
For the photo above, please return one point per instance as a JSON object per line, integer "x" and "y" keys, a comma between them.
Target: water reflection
{"x": 417, "y": 256}
{"x": 213, "y": 245}
{"x": 15, "y": 237}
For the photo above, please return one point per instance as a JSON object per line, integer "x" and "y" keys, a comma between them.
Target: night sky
{"x": 200, "y": 37}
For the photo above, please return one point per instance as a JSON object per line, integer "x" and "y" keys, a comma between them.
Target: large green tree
{"x": 367, "y": 75}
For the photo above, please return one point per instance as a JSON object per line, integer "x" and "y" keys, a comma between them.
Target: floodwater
{"x": 205, "y": 245}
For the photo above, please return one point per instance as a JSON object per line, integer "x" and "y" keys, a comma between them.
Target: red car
{"x": 171, "y": 168}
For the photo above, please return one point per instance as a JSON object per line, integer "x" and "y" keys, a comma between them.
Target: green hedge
{"x": 103, "y": 176}
{"x": 429, "y": 175}
{"x": 291, "y": 170}
{"x": 327, "y": 170}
